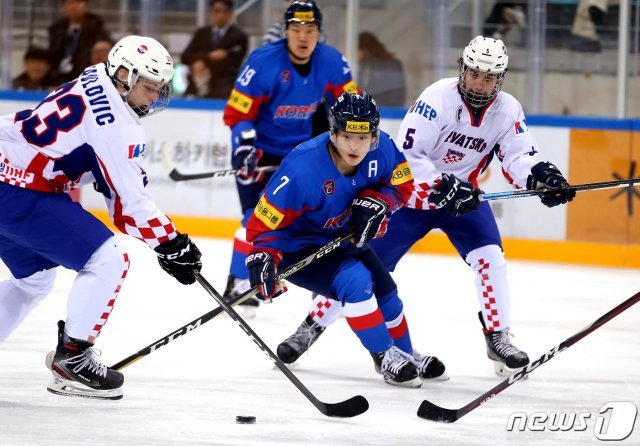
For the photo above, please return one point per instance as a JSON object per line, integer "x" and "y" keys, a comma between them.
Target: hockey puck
{"x": 245, "y": 420}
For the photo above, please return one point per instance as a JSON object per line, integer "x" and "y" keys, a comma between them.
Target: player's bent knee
{"x": 489, "y": 256}
{"x": 110, "y": 262}
{"x": 353, "y": 283}
{"x": 38, "y": 285}
{"x": 391, "y": 306}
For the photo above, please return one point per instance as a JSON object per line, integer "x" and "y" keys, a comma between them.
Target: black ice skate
{"x": 397, "y": 368}
{"x": 507, "y": 358}
{"x": 429, "y": 367}
{"x": 234, "y": 289}
{"x": 78, "y": 372}
{"x": 295, "y": 345}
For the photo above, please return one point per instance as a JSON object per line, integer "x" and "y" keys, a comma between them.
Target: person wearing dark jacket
{"x": 71, "y": 39}
{"x": 37, "y": 71}
{"x": 224, "y": 43}
{"x": 380, "y": 73}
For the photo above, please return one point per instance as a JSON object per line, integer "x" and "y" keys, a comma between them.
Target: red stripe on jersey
{"x": 232, "y": 115}
{"x": 241, "y": 246}
{"x": 366, "y": 321}
{"x": 507, "y": 176}
{"x": 473, "y": 176}
{"x": 337, "y": 90}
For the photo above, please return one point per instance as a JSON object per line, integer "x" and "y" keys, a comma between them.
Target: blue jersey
{"x": 308, "y": 201}
{"x": 272, "y": 98}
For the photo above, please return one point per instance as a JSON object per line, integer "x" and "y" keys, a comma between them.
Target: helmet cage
{"x": 476, "y": 100}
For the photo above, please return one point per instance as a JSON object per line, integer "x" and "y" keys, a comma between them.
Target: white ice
{"x": 190, "y": 391}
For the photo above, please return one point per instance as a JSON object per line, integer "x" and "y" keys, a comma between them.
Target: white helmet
{"x": 486, "y": 55}
{"x": 142, "y": 57}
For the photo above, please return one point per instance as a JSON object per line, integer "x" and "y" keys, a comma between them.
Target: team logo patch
{"x": 268, "y": 214}
{"x": 357, "y": 127}
{"x": 520, "y": 127}
{"x": 143, "y": 49}
{"x": 329, "y": 186}
{"x": 304, "y": 16}
{"x": 401, "y": 174}
{"x": 285, "y": 76}
{"x": 136, "y": 151}
{"x": 452, "y": 156}
{"x": 459, "y": 113}
{"x": 240, "y": 102}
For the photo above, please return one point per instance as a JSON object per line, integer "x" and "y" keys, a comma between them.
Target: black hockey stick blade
{"x": 432, "y": 412}
{"x": 352, "y": 407}
{"x": 576, "y": 187}
{"x": 345, "y": 409}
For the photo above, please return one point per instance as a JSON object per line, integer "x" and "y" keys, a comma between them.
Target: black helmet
{"x": 355, "y": 113}
{"x": 303, "y": 11}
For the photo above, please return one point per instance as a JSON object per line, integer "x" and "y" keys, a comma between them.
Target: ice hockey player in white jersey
{"x": 83, "y": 132}
{"x": 449, "y": 136}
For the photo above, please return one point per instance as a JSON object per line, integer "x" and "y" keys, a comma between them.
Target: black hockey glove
{"x": 368, "y": 217}
{"x": 547, "y": 175}
{"x": 455, "y": 196}
{"x": 180, "y": 258}
{"x": 245, "y": 158}
{"x": 262, "y": 264}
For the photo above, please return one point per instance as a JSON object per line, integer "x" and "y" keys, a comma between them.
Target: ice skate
{"x": 507, "y": 358}
{"x": 429, "y": 367}
{"x": 397, "y": 368}
{"x": 235, "y": 287}
{"x": 299, "y": 342}
{"x": 78, "y": 372}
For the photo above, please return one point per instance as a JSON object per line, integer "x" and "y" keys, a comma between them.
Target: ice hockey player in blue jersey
{"x": 351, "y": 178}
{"x": 271, "y": 108}
{"x": 449, "y": 136}
{"x": 85, "y": 131}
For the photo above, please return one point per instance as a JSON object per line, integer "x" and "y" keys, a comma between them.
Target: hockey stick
{"x": 190, "y": 326}
{"x": 577, "y": 187}
{"x": 430, "y": 411}
{"x": 352, "y": 407}
{"x": 176, "y": 175}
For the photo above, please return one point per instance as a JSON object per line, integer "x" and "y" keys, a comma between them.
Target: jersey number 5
{"x": 408, "y": 139}
{"x": 68, "y": 112}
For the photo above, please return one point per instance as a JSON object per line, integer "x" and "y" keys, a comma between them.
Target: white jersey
{"x": 84, "y": 132}
{"x": 441, "y": 134}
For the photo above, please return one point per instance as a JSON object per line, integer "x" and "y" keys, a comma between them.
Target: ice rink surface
{"x": 190, "y": 391}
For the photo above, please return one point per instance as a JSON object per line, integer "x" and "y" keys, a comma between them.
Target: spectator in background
{"x": 223, "y": 43}
{"x": 379, "y": 73}
{"x": 71, "y": 39}
{"x": 589, "y": 15}
{"x": 100, "y": 51}
{"x": 37, "y": 71}
{"x": 202, "y": 83}
{"x": 503, "y": 16}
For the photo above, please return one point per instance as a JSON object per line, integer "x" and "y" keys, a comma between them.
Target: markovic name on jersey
{"x": 98, "y": 100}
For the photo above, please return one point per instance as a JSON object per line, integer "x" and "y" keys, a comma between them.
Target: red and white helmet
{"x": 142, "y": 57}
{"x": 486, "y": 55}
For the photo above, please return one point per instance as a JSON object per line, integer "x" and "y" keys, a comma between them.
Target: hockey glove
{"x": 455, "y": 196}
{"x": 547, "y": 175}
{"x": 180, "y": 258}
{"x": 262, "y": 264}
{"x": 368, "y": 217}
{"x": 245, "y": 159}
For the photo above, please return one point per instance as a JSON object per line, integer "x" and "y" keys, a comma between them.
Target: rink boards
{"x": 601, "y": 227}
